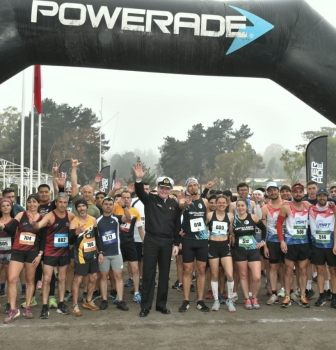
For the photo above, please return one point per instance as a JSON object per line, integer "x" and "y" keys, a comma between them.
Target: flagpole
{"x": 32, "y": 138}
{"x": 22, "y": 139}
{"x": 100, "y": 135}
{"x": 39, "y": 151}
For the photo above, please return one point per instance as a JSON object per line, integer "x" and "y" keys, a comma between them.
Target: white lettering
{"x": 103, "y": 12}
{"x": 161, "y": 23}
{"x": 72, "y": 22}
{"x": 212, "y": 33}
{"x": 230, "y": 26}
{"x": 37, "y": 3}
{"x": 126, "y": 18}
{"x": 179, "y": 24}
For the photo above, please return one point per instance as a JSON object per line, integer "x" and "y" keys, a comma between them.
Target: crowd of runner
{"x": 220, "y": 242}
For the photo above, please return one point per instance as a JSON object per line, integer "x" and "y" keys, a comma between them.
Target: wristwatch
{"x": 102, "y": 253}
{"x": 40, "y": 254}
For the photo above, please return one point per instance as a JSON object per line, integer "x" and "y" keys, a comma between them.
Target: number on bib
{"x": 246, "y": 242}
{"x": 220, "y": 228}
{"x": 109, "y": 237}
{"x": 27, "y": 238}
{"x": 89, "y": 245}
{"x": 299, "y": 232}
{"x": 61, "y": 240}
{"x": 196, "y": 225}
{"x": 5, "y": 243}
{"x": 322, "y": 237}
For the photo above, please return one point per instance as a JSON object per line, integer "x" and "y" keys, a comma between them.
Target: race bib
{"x": 27, "y": 238}
{"x": 299, "y": 232}
{"x": 126, "y": 226}
{"x": 246, "y": 242}
{"x": 197, "y": 225}
{"x": 322, "y": 237}
{"x": 89, "y": 245}
{"x": 5, "y": 243}
{"x": 220, "y": 228}
{"x": 61, "y": 240}
{"x": 109, "y": 237}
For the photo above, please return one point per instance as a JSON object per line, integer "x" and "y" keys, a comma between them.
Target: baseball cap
{"x": 297, "y": 186}
{"x": 285, "y": 188}
{"x": 272, "y": 184}
{"x": 322, "y": 191}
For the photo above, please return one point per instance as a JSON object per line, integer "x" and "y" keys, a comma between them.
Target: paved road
{"x": 269, "y": 328}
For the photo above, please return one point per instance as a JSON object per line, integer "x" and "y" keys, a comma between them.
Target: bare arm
{"x": 74, "y": 179}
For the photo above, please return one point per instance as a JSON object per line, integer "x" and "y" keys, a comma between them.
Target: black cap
{"x": 285, "y": 188}
{"x": 81, "y": 201}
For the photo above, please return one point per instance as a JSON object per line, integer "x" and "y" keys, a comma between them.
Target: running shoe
{"x": 68, "y": 296}
{"x": 137, "y": 298}
{"x": 84, "y": 296}
{"x": 333, "y": 303}
{"x": 96, "y": 295}
{"x": 295, "y": 298}
{"x": 234, "y": 296}
{"x": 272, "y": 300}
{"x": 32, "y": 303}
{"x": 39, "y": 285}
{"x": 176, "y": 284}
{"x": 62, "y": 309}
{"x": 221, "y": 298}
{"x": 44, "y": 313}
{"x": 328, "y": 295}
{"x": 320, "y": 301}
{"x": 27, "y": 313}
{"x": 304, "y": 302}
{"x": 116, "y": 301}
{"x": 129, "y": 283}
{"x": 286, "y": 302}
{"x": 282, "y": 293}
{"x": 7, "y": 308}
{"x": 103, "y": 305}
{"x": 230, "y": 305}
{"x": 12, "y": 314}
{"x": 309, "y": 293}
{"x": 255, "y": 304}
{"x": 75, "y": 311}
{"x": 192, "y": 288}
{"x": 215, "y": 306}
{"x": 52, "y": 303}
{"x": 314, "y": 279}
{"x": 248, "y": 304}
{"x": 209, "y": 294}
{"x": 90, "y": 305}
{"x": 180, "y": 288}
{"x": 121, "y": 305}
{"x": 185, "y": 306}
{"x": 2, "y": 293}
{"x": 113, "y": 294}
{"x": 201, "y": 306}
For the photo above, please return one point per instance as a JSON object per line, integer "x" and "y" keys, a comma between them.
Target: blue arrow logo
{"x": 260, "y": 27}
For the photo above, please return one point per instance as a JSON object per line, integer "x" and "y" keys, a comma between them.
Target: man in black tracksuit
{"x": 162, "y": 222}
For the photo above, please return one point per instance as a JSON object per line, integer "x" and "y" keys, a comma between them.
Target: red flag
{"x": 37, "y": 89}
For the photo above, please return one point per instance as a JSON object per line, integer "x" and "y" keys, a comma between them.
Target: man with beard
{"x": 294, "y": 242}
{"x": 194, "y": 243}
{"x": 322, "y": 226}
{"x": 272, "y": 250}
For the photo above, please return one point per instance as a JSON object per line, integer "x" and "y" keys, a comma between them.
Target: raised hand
{"x": 75, "y": 163}
{"x": 138, "y": 171}
{"x": 118, "y": 183}
{"x": 130, "y": 187}
{"x": 212, "y": 183}
{"x": 121, "y": 202}
{"x": 55, "y": 168}
{"x": 98, "y": 178}
{"x": 61, "y": 180}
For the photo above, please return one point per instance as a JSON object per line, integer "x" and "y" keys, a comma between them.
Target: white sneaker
{"x": 272, "y": 300}
{"x": 215, "y": 306}
{"x": 234, "y": 297}
{"x": 282, "y": 293}
{"x": 230, "y": 305}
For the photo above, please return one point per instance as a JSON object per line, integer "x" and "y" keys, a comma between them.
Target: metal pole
{"x": 39, "y": 152}
{"x": 100, "y": 138}
{"x": 22, "y": 137}
{"x": 32, "y": 140}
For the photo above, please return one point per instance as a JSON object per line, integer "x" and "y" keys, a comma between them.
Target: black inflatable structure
{"x": 285, "y": 40}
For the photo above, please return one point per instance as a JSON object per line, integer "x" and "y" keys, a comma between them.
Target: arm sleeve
{"x": 98, "y": 240}
{"x": 11, "y": 228}
{"x": 177, "y": 228}
{"x": 205, "y": 192}
{"x": 43, "y": 238}
{"x": 72, "y": 237}
{"x": 140, "y": 192}
{"x": 262, "y": 227}
{"x": 281, "y": 219}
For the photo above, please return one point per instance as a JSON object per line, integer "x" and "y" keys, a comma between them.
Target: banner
{"x": 105, "y": 184}
{"x": 113, "y": 178}
{"x": 37, "y": 89}
{"x": 316, "y": 161}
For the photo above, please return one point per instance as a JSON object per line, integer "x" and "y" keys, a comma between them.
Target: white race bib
{"x": 5, "y": 243}
{"x": 220, "y": 228}
{"x": 322, "y": 237}
{"x": 197, "y": 225}
{"x": 27, "y": 238}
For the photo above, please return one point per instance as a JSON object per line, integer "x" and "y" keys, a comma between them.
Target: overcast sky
{"x": 152, "y": 106}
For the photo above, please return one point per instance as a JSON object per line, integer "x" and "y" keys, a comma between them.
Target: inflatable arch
{"x": 286, "y": 41}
